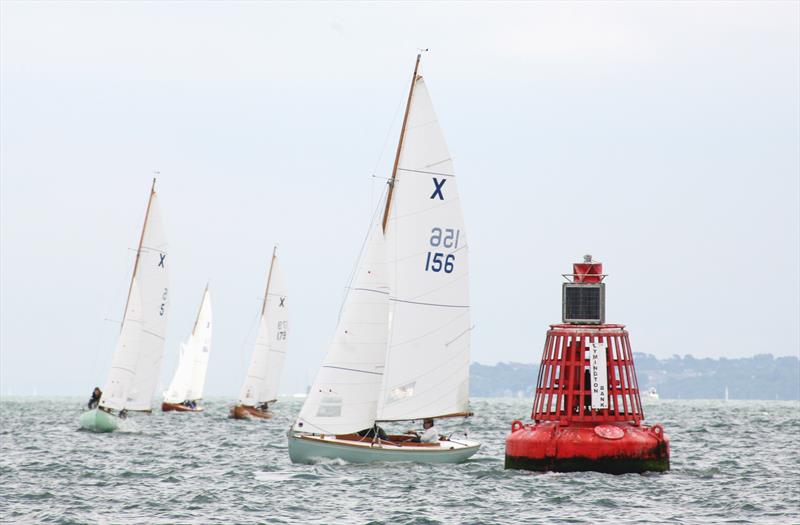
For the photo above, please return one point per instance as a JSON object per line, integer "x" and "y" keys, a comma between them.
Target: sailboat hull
{"x": 97, "y": 420}
{"x": 309, "y": 449}
{"x": 177, "y": 407}
{"x": 245, "y": 412}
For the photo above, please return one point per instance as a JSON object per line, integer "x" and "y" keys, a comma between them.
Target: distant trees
{"x": 762, "y": 376}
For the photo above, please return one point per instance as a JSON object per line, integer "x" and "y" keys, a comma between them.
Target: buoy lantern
{"x": 587, "y": 413}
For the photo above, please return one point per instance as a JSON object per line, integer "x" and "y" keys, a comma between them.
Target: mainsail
{"x": 401, "y": 349}
{"x": 136, "y": 364}
{"x": 266, "y": 364}
{"x": 344, "y": 396}
{"x": 427, "y": 356}
{"x": 190, "y": 375}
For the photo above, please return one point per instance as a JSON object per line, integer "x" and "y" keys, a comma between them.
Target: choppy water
{"x": 735, "y": 462}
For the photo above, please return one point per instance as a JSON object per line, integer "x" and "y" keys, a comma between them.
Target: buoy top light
{"x": 584, "y": 293}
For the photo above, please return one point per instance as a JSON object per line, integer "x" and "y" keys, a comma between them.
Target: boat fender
{"x": 516, "y": 425}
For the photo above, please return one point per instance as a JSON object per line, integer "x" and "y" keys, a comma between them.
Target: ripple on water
{"x": 167, "y": 468}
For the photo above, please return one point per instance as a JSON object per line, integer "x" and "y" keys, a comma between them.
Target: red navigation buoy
{"x": 587, "y": 414}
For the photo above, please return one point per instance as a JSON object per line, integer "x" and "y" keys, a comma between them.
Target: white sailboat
{"x": 260, "y": 387}
{"x": 401, "y": 349}
{"x": 186, "y": 388}
{"x": 136, "y": 364}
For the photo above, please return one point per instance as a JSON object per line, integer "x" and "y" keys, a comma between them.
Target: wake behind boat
{"x": 401, "y": 349}
{"x": 136, "y": 364}
{"x": 260, "y": 387}
{"x": 186, "y": 388}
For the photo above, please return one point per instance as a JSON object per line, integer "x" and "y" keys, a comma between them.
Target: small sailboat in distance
{"x": 136, "y": 364}
{"x": 401, "y": 349}
{"x": 186, "y": 388}
{"x": 260, "y": 387}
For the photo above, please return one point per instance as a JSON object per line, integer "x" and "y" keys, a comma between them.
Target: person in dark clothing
{"x": 123, "y": 414}
{"x": 263, "y": 406}
{"x": 372, "y": 432}
{"x": 94, "y": 401}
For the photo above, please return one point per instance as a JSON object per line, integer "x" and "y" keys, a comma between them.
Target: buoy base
{"x": 617, "y": 448}
{"x": 610, "y": 465}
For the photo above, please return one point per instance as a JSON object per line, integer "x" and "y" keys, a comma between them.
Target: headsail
{"x": 266, "y": 364}
{"x": 427, "y": 358}
{"x": 344, "y": 396}
{"x": 136, "y": 365}
{"x": 190, "y": 375}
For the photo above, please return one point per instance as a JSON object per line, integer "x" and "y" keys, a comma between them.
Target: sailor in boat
{"x": 264, "y": 407}
{"x": 94, "y": 401}
{"x": 431, "y": 434}
{"x": 123, "y": 414}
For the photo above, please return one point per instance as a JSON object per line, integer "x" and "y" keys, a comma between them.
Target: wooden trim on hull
{"x": 177, "y": 407}
{"x": 245, "y": 412}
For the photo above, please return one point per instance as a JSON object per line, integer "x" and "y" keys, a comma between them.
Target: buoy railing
{"x": 564, "y": 386}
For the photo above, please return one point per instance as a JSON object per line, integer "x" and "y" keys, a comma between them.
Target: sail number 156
{"x": 438, "y": 261}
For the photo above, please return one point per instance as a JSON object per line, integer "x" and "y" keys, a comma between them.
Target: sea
{"x": 732, "y": 462}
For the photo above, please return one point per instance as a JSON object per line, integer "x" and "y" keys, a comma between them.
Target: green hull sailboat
{"x": 98, "y": 420}
{"x": 136, "y": 363}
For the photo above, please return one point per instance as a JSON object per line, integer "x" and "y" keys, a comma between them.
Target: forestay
{"x": 427, "y": 358}
{"x": 136, "y": 364}
{"x": 190, "y": 375}
{"x": 344, "y": 395}
{"x": 266, "y": 364}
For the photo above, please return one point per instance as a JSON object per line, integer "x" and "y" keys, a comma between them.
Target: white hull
{"x": 304, "y": 448}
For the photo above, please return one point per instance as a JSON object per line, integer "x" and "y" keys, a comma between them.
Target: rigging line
{"x": 352, "y": 370}
{"x": 389, "y": 131}
{"x": 424, "y": 210}
{"x": 354, "y": 271}
{"x": 246, "y": 338}
{"x": 368, "y": 290}
{"x": 427, "y": 172}
{"x": 430, "y": 304}
{"x": 456, "y": 318}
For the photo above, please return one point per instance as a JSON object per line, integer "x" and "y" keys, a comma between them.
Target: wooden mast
{"x": 138, "y": 252}
{"x": 269, "y": 279}
{"x": 400, "y": 144}
{"x": 202, "y": 302}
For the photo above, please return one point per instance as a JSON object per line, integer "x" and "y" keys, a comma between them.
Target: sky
{"x": 662, "y": 138}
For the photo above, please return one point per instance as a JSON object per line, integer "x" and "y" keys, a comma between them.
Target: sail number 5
{"x": 438, "y": 261}
{"x": 164, "y": 304}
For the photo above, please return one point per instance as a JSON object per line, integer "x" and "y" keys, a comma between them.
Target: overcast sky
{"x": 660, "y": 137}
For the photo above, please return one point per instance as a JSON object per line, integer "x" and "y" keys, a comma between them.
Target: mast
{"x": 269, "y": 279}
{"x": 400, "y": 144}
{"x": 138, "y": 251}
{"x": 202, "y": 302}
